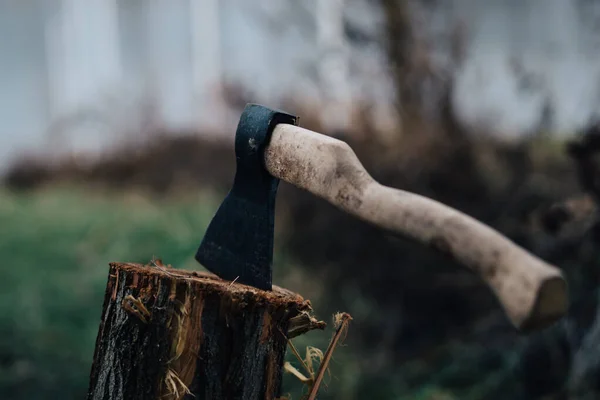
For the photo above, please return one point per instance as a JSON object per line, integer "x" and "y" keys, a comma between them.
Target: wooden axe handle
{"x": 532, "y": 292}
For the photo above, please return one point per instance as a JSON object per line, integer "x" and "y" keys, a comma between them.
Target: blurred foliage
{"x": 55, "y": 246}
{"x": 423, "y": 328}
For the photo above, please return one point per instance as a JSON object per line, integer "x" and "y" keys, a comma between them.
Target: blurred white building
{"x": 80, "y": 74}
{"x": 85, "y": 74}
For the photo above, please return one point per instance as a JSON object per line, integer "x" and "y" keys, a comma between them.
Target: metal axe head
{"x": 238, "y": 243}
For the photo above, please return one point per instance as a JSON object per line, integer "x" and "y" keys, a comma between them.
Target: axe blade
{"x": 238, "y": 243}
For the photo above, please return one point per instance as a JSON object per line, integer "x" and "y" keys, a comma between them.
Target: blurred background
{"x": 117, "y": 120}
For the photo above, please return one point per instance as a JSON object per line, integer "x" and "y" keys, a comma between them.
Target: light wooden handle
{"x": 532, "y": 292}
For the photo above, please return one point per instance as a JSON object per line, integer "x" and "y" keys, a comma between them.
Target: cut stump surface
{"x": 171, "y": 334}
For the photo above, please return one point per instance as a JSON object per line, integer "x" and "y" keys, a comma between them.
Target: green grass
{"x": 55, "y": 246}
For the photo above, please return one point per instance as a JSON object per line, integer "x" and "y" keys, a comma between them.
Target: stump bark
{"x": 172, "y": 334}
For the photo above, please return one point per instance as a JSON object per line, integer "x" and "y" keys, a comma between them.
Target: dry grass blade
{"x": 312, "y": 353}
{"x": 341, "y": 321}
{"x": 289, "y": 368}
{"x": 136, "y": 307}
{"x": 299, "y": 357}
{"x": 174, "y": 384}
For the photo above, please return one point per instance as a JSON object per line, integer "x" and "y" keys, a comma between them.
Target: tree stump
{"x": 172, "y": 334}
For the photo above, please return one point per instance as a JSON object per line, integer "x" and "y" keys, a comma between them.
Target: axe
{"x": 269, "y": 147}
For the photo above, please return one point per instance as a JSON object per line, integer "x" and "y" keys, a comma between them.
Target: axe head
{"x": 238, "y": 243}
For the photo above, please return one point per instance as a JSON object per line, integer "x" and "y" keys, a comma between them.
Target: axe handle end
{"x": 532, "y": 292}
{"x": 550, "y": 304}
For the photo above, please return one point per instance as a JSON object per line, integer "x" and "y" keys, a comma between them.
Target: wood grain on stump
{"x": 172, "y": 334}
